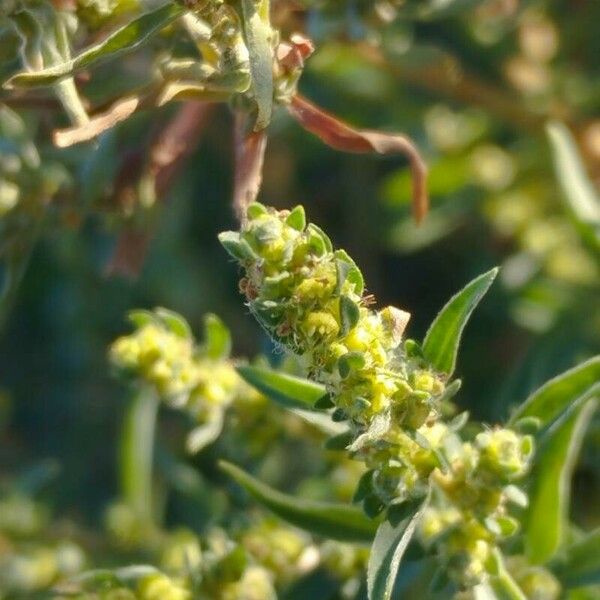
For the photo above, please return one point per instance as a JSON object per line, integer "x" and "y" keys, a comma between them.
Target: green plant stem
{"x": 137, "y": 453}
{"x": 505, "y": 587}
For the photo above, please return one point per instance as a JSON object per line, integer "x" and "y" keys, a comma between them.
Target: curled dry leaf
{"x": 99, "y": 123}
{"x": 166, "y": 156}
{"x": 249, "y": 148}
{"x": 176, "y": 142}
{"x": 291, "y": 55}
{"x": 340, "y": 135}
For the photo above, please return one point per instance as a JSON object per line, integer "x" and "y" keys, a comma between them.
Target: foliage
{"x": 345, "y": 460}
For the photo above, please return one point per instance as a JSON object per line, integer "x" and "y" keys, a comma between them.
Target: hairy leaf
{"x": 555, "y": 396}
{"x": 335, "y": 521}
{"x": 257, "y": 33}
{"x": 126, "y": 39}
{"x": 288, "y": 390}
{"x": 581, "y": 197}
{"x": 551, "y": 482}
{"x": 320, "y": 420}
{"x": 440, "y": 346}
{"x": 388, "y": 548}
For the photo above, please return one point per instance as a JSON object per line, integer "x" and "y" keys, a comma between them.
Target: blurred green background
{"x": 474, "y": 85}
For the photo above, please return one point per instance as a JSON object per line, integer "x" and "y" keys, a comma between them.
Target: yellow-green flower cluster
{"x": 311, "y": 300}
{"x": 268, "y": 556}
{"x": 161, "y": 353}
{"x": 26, "y": 564}
{"x": 537, "y": 582}
{"x": 228, "y": 572}
{"x": 28, "y": 568}
{"x": 472, "y": 494}
{"x": 95, "y": 13}
{"x": 284, "y": 551}
{"x": 158, "y": 586}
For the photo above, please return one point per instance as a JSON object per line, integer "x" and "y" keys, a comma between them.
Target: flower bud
{"x": 505, "y": 452}
{"x": 160, "y": 587}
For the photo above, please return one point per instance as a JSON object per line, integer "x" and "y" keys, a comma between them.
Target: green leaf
{"x": 440, "y": 346}
{"x": 258, "y": 34}
{"x": 551, "y": 482}
{"x": 349, "y": 362}
{"x": 387, "y": 550}
{"x": 502, "y": 585}
{"x": 176, "y": 323}
{"x": 288, "y": 390}
{"x": 204, "y": 434}
{"x": 256, "y": 209}
{"x": 320, "y": 420}
{"x": 126, "y": 39}
{"x": 349, "y": 314}
{"x": 334, "y": 521}
{"x": 236, "y": 246}
{"x": 318, "y": 239}
{"x": 582, "y": 199}
{"x": 556, "y": 395}
{"x": 140, "y": 317}
{"x": 348, "y": 270}
{"x": 217, "y": 338}
{"x": 579, "y": 563}
{"x": 297, "y": 218}
{"x": 340, "y": 441}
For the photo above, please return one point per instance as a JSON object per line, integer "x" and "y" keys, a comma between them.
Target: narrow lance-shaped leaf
{"x": 258, "y": 33}
{"x": 288, "y": 390}
{"x": 335, "y": 521}
{"x": 579, "y": 564}
{"x": 321, "y": 421}
{"x": 581, "y": 197}
{"x": 388, "y": 549}
{"x": 555, "y": 396}
{"x": 551, "y": 482}
{"x": 442, "y": 340}
{"x": 127, "y": 38}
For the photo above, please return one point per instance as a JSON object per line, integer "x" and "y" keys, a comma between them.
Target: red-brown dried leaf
{"x": 166, "y": 157}
{"x": 99, "y": 123}
{"x": 249, "y": 149}
{"x": 342, "y": 136}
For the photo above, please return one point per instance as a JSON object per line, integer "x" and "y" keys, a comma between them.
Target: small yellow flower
{"x": 160, "y": 587}
{"x": 320, "y": 324}
{"x": 505, "y": 452}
